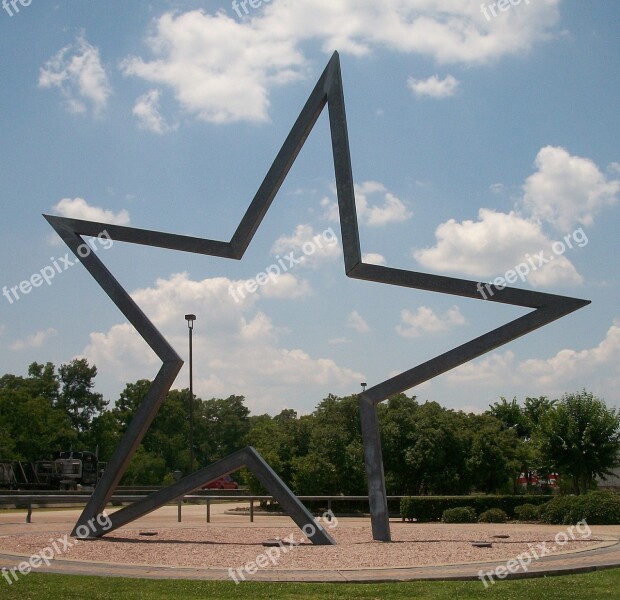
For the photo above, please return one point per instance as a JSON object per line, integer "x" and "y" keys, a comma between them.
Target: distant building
{"x": 612, "y": 483}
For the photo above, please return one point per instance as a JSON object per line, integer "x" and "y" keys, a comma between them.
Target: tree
{"x": 76, "y": 397}
{"x": 33, "y": 428}
{"x": 511, "y": 415}
{"x": 495, "y": 455}
{"x": 424, "y": 448}
{"x": 44, "y": 381}
{"x": 580, "y": 437}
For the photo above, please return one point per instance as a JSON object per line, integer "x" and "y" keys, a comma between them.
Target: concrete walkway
{"x": 194, "y": 516}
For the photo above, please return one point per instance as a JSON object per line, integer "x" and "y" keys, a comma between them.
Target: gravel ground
{"x": 223, "y": 547}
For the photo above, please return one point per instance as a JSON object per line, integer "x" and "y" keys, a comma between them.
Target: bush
{"x": 527, "y": 512}
{"x": 596, "y": 508}
{"x": 460, "y": 514}
{"x": 430, "y": 508}
{"x": 493, "y": 515}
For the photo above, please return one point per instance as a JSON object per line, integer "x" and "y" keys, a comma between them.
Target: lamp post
{"x": 363, "y": 384}
{"x": 190, "y": 324}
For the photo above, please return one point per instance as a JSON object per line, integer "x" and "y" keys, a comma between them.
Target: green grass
{"x": 593, "y": 586}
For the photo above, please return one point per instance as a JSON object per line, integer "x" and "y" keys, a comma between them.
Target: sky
{"x": 484, "y": 144}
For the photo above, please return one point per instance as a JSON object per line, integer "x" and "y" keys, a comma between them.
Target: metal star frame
{"x": 328, "y": 91}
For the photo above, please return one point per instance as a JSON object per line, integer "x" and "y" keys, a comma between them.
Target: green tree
{"x": 512, "y": 416}
{"x": 495, "y": 455}
{"x": 44, "y": 381}
{"x": 145, "y": 468}
{"x": 33, "y": 428}
{"x": 76, "y": 397}
{"x": 424, "y": 448}
{"x": 580, "y": 438}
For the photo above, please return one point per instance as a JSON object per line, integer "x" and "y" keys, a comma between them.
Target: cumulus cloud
{"x": 218, "y": 69}
{"x": 373, "y": 259}
{"x": 393, "y": 210}
{"x": 237, "y": 346}
{"x": 221, "y": 69}
{"x": 76, "y": 70}
{"x": 310, "y": 248}
{"x": 566, "y": 190}
{"x": 148, "y": 114}
{"x": 434, "y": 87}
{"x": 572, "y": 364}
{"x": 425, "y": 320}
{"x": 494, "y": 244}
{"x": 78, "y": 208}
{"x": 36, "y": 340}
{"x": 357, "y": 322}
{"x": 563, "y": 372}
{"x": 286, "y": 286}
{"x": 492, "y": 369}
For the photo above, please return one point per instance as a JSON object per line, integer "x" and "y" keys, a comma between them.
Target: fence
{"x": 29, "y": 501}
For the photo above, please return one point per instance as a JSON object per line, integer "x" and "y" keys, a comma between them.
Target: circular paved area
{"x": 47, "y": 526}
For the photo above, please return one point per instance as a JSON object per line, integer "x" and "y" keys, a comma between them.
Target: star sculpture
{"x": 328, "y": 91}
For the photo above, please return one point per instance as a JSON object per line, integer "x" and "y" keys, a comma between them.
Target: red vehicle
{"x": 223, "y": 483}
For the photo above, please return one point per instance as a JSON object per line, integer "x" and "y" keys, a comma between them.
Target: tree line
{"x": 427, "y": 449}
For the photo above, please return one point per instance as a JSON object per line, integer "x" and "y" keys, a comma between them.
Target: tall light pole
{"x": 190, "y": 324}
{"x": 363, "y": 384}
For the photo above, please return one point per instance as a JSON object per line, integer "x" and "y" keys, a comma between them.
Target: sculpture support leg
{"x": 373, "y": 458}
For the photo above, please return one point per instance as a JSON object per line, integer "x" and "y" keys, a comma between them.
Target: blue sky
{"x": 477, "y": 144}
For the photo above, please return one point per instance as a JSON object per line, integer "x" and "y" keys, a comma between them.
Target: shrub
{"x": 596, "y": 508}
{"x": 460, "y": 514}
{"x": 430, "y": 508}
{"x": 527, "y": 512}
{"x": 493, "y": 515}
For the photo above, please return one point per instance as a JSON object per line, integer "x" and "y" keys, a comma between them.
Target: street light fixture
{"x": 190, "y": 324}
{"x": 363, "y": 384}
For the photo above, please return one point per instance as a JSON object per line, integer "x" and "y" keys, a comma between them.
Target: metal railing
{"x": 29, "y": 500}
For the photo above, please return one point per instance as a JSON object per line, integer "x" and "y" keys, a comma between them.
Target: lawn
{"x": 601, "y": 584}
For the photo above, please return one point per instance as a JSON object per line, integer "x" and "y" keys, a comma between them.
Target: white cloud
{"x": 221, "y": 69}
{"x": 78, "y": 208}
{"x": 309, "y": 248}
{"x": 286, "y": 286}
{"x": 236, "y": 347}
{"x": 356, "y": 321}
{"x": 494, "y": 368}
{"x": 494, "y": 244}
{"x": 434, "y": 87}
{"x": 566, "y": 190}
{"x": 373, "y": 259}
{"x": 425, "y": 320}
{"x": 147, "y": 112}
{"x": 393, "y": 210}
{"x": 571, "y": 365}
{"x": 564, "y": 372}
{"x": 77, "y": 72}
{"x": 36, "y": 340}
